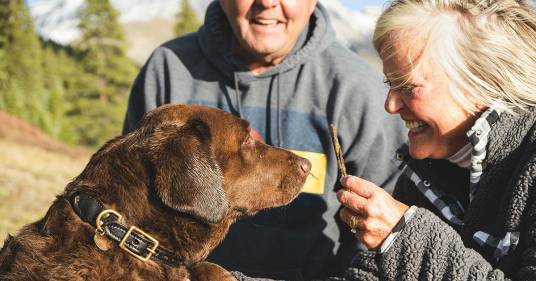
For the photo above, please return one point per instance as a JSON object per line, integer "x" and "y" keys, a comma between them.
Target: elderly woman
{"x": 462, "y": 76}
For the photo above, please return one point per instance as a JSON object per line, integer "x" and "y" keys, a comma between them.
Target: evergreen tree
{"x": 65, "y": 79}
{"x": 3, "y": 52}
{"x": 54, "y": 61}
{"x": 98, "y": 110}
{"x": 21, "y": 73}
{"x": 186, "y": 20}
{"x": 3, "y": 72}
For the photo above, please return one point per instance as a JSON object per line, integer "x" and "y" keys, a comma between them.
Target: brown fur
{"x": 183, "y": 177}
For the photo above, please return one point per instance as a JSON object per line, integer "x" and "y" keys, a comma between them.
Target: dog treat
{"x": 338, "y": 150}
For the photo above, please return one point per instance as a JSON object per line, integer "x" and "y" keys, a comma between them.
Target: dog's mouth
{"x": 285, "y": 197}
{"x": 287, "y": 192}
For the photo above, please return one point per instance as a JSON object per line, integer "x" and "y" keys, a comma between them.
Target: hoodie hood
{"x": 215, "y": 38}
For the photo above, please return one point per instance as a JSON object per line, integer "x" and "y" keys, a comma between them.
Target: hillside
{"x": 33, "y": 169}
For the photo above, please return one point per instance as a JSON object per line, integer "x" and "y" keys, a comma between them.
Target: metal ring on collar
{"x": 105, "y": 214}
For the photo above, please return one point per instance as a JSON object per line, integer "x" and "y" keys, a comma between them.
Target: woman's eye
{"x": 406, "y": 89}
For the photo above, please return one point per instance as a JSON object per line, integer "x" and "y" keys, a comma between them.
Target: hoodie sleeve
{"x": 368, "y": 135}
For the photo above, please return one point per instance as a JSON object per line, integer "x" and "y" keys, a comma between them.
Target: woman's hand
{"x": 369, "y": 210}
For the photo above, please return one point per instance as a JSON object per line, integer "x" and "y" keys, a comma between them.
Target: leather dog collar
{"x": 131, "y": 239}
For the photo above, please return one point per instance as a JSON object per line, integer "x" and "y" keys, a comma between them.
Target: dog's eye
{"x": 249, "y": 140}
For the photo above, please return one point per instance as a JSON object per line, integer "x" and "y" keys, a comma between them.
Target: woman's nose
{"x": 393, "y": 102}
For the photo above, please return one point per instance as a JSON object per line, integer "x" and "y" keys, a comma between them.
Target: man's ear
{"x": 186, "y": 175}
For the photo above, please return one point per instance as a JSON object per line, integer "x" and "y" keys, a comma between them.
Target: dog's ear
{"x": 186, "y": 175}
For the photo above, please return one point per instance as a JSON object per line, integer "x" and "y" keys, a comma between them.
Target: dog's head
{"x": 205, "y": 163}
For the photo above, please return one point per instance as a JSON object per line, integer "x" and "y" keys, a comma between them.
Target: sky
{"x": 358, "y": 4}
{"x": 350, "y": 4}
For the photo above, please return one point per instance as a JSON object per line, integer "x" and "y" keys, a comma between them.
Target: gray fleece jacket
{"x": 290, "y": 106}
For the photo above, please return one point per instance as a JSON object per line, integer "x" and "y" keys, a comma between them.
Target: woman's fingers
{"x": 360, "y": 186}
{"x": 351, "y": 200}
{"x": 357, "y": 193}
{"x": 353, "y": 220}
{"x": 369, "y": 211}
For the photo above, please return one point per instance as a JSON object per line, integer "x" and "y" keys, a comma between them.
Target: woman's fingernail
{"x": 347, "y": 180}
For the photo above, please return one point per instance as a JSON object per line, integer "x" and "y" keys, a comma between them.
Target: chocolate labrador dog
{"x": 152, "y": 204}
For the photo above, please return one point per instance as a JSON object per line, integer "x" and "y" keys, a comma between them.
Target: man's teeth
{"x": 415, "y": 126}
{"x": 265, "y": 22}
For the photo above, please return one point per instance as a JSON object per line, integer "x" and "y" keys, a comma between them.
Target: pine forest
{"x": 76, "y": 93}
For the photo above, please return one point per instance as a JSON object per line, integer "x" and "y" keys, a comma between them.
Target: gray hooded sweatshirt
{"x": 291, "y": 106}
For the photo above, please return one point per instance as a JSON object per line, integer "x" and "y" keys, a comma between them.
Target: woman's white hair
{"x": 486, "y": 48}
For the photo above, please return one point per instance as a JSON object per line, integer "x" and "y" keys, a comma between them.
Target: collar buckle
{"x": 151, "y": 250}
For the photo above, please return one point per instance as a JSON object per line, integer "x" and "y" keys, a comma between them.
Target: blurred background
{"x": 66, "y": 67}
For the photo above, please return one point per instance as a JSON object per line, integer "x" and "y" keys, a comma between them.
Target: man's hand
{"x": 369, "y": 210}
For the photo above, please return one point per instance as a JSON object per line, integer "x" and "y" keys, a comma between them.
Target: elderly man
{"x": 277, "y": 64}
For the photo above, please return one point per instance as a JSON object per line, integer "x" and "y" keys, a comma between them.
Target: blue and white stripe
{"x": 502, "y": 246}
{"x": 397, "y": 229}
{"x": 479, "y": 136}
{"x": 450, "y": 208}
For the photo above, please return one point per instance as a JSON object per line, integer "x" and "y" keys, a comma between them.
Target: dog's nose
{"x": 305, "y": 166}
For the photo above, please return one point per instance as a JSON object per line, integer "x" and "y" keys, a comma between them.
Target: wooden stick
{"x": 338, "y": 150}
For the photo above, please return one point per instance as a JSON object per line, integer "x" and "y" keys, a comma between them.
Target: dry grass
{"x": 33, "y": 170}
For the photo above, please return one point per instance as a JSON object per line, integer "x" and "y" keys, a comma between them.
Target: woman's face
{"x": 437, "y": 124}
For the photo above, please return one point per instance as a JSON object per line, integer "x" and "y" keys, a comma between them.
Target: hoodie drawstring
{"x": 278, "y": 116}
{"x": 237, "y": 96}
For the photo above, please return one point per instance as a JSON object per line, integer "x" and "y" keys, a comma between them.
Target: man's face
{"x": 267, "y": 29}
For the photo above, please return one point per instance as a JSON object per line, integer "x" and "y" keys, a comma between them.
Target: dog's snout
{"x": 305, "y": 166}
